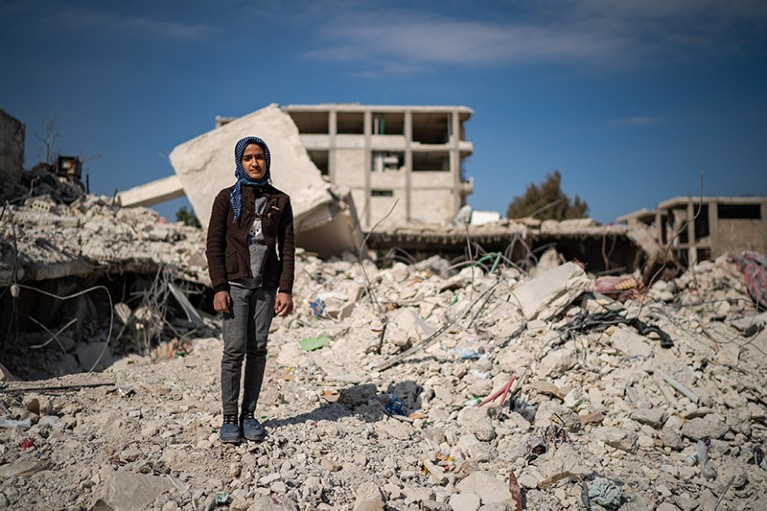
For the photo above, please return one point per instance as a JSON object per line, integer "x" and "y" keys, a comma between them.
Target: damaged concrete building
{"x": 704, "y": 228}
{"x": 409, "y": 155}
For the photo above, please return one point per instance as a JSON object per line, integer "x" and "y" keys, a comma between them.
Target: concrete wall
{"x": 11, "y": 151}
{"x": 738, "y": 234}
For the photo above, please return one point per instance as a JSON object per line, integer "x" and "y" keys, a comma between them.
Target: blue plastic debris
{"x": 468, "y": 353}
{"x": 317, "y": 306}
{"x": 395, "y": 407}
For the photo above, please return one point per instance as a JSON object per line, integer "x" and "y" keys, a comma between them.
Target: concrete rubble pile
{"x": 43, "y": 239}
{"x": 373, "y": 402}
{"x": 70, "y": 266}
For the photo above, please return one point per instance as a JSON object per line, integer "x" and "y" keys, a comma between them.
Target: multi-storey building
{"x": 409, "y": 155}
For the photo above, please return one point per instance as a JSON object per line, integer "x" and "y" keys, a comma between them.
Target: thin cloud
{"x": 114, "y": 23}
{"x": 597, "y": 33}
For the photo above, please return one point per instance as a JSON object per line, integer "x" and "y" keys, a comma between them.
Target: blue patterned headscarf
{"x": 235, "y": 197}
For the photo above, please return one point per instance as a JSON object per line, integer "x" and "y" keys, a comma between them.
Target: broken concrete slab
{"x": 126, "y": 491}
{"x": 551, "y": 292}
{"x": 324, "y": 216}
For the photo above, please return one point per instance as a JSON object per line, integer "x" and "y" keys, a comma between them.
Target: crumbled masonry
{"x": 590, "y": 418}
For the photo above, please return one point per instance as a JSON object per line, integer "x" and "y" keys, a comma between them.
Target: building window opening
{"x": 431, "y": 128}
{"x": 350, "y": 123}
{"x": 740, "y": 211}
{"x": 382, "y": 193}
{"x": 701, "y": 221}
{"x": 389, "y": 124}
{"x": 386, "y": 162}
{"x": 434, "y": 161}
{"x": 310, "y": 122}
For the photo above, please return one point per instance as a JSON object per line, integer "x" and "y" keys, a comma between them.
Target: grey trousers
{"x": 245, "y": 329}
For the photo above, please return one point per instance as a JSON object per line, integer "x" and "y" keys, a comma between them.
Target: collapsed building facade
{"x": 704, "y": 228}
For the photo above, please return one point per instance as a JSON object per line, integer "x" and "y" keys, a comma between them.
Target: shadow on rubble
{"x": 363, "y": 401}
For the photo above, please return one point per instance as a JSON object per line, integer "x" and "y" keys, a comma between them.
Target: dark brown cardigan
{"x": 227, "y": 247}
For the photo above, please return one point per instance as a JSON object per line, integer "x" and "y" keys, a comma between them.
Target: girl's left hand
{"x": 283, "y": 304}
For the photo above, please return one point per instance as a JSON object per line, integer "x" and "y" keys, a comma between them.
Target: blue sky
{"x": 630, "y": 101}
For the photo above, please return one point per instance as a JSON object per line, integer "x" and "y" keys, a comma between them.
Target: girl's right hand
{"x": 222, "y": 301}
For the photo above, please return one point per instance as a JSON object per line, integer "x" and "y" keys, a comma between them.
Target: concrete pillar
{"x": 408, "y": 163}
{"x": 332, "y": 131}
{"x": 659, "y": 227}
{"x": 368, "y": 165}
{"x": 455, "y": 158}
{"x": 692, "y": 250}
{"x": 713, "y": 229}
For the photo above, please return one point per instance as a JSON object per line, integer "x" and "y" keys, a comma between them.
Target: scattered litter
{"x": 515, "y": 491}
{"x": 314, "y": 343}
{"x": 753, "y": 266}
{"x": 503, "y": 391}
{"x": 692, "y": 396}
{"x": 395, "y": 407}
{"x": 606, "y": 493}
{"x": 621, "y": 287}
{"x": 700, "y": 457}
{"x": 545, "y": 483}
{"x": 472, "y": 401}
{"x": 544, "y": 437}
{"x": 27, "y": 443}
{"x": 757, "y": 458}
{"x": 222, "y": 498}
{"x": 317, "y": 306}
{"x": 469, "y": 353}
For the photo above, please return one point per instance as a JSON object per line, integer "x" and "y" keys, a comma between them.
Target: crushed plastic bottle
{"x": 395, "y": 407}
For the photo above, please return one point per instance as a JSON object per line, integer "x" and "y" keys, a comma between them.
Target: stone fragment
{"x": 618, "y": 438}
{"x": 487, "y": 486}
{"x": 710, "y": 426}
{"x": 126, "y": 490}
{"x": 464, "y": 502}
{"x": 559, "y": 361}
{"x": 549, "y": 293}
{"x": 630, "y": 343}
{"x": 654, "y": 417}
{"x": 477, "y": 421}
{"x": 369, "y": 498}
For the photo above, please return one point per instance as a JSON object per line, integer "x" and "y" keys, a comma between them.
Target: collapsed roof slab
{"x": 585, "y": 240}
{"x": 205, "y": 165}
{"x": 152, "y": 193}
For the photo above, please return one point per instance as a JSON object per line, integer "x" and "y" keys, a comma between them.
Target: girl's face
{"x": 254, "y": 161}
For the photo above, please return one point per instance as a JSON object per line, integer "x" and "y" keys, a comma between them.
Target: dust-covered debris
{"x": 588, "y": 420}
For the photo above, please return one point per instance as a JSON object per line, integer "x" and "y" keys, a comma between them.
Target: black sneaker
{"x": 252, "y": 429}
{"x": 229, "y": 433}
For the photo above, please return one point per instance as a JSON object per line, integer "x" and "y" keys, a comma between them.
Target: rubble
{"x": 373, "y": 403}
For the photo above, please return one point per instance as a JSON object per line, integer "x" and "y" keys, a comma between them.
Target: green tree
{"x": 188, "y": 217}
{"x": 547, "y": 201}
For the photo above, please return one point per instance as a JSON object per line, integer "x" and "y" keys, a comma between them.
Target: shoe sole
{"x": 230, "y": 439}
{"x": 255, "y": 438}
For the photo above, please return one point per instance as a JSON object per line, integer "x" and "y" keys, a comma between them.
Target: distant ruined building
{"x": 704, "y": 228}
{"x": 409, "y": 155}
